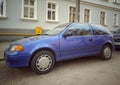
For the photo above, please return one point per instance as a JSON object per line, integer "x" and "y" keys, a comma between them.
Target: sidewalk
{"x": 3, "y": 46}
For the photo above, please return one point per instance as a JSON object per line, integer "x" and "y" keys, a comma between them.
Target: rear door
{"x": 98, "y": 39}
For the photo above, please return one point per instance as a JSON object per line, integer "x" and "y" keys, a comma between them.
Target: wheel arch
{"x": 42, "y": 49}
{"x": 108, "y": 43}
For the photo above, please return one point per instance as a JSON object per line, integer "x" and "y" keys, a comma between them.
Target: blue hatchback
{"x": 67, "y": 41}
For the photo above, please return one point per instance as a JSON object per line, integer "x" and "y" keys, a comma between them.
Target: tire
{"x": 42, "y": 62}
{"x": 106, "y": 52}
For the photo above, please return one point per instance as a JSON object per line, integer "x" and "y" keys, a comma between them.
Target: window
{"x": 100, "y": 30}
{"x": 86, "y": 15}
{"x": 97, "y": 31}
{"x": 117, "y": 1}
{"x": 29, "y": 9}
{"x": 2, "y": 8}
{"x": 115, "y": 20}
{"x": 52, "y": 11}
{"x": 102, "y": 18}
{"x": 72, "y": 11}
{"x": 79, "y": 30}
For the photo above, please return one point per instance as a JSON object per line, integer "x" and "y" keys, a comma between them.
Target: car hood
{"x": 30, "y": 39}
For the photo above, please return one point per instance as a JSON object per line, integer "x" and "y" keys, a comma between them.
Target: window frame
{"x": 3, "y": 16}
{"x": 89, "y": 16}
{"x": 72, "y": 13}
{"x": 115, "y": 20}
{"x": 105, "y": 18}
{"x": 116, "y": 1}
{"x": 56, "y": 11}
{"x": 35, "y": 12}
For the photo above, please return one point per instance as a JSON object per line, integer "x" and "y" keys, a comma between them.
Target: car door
{"x": 77, "y": 43}
{"x": 98, "y": 39}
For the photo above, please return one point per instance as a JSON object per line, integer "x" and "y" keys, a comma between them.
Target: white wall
{"x": 95, "y": 15}
{"x": 14, "y": 10}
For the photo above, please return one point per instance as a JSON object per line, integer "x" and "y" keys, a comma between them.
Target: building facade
{"x": 23, "y": 16}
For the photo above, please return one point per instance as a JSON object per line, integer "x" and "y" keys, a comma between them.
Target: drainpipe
{"x": 77, "y": 11}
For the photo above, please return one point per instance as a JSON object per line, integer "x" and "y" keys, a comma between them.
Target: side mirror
{"x": 68, "y": 33}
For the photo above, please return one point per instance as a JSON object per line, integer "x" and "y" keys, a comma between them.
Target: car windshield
{"x": 57, "y": 30}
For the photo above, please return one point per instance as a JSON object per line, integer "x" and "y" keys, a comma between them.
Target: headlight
{"x": 16, "y": 48}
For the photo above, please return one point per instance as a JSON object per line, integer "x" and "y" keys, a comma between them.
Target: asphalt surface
{"x": 83, "y": 71}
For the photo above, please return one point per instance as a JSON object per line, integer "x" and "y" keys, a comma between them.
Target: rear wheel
{"x": 106, "y": 52}
{"x": 42, "y": 62}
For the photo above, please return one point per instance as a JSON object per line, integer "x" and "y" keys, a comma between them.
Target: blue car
{"x": 67, "y": 41}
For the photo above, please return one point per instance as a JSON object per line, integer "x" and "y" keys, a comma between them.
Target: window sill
{"x": 105, "y": 0}
{"x": 51, "y": 21}
{"x": 115, "y": 26}
{"x": 104, "y": 25}
{"x": 3, "y": 17}
{"x": 28, "y": 19}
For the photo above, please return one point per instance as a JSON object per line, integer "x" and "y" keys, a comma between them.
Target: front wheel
{"x": 106, "y": 52}
{"x": 42, "y": 62}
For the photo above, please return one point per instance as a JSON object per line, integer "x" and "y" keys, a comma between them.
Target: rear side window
{"x": 99, "y": 30}
{"x": 80, "y": 29}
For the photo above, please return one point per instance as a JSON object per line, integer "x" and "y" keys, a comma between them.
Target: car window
{"x": 79, "y": 29}
{"x": 99, "y": 30}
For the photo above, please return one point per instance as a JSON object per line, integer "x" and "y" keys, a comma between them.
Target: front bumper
{"x": 16, "y": 59}
{"x": 117, "y": 43}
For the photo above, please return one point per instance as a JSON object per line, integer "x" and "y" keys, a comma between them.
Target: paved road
{"x": 84, "y": 71}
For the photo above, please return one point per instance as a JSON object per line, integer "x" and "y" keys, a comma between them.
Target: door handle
{"x": 90, "y": 39}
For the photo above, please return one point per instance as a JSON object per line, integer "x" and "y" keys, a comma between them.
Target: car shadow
{"x": 80, "y": 61}
{"x": 19, "y": 73}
